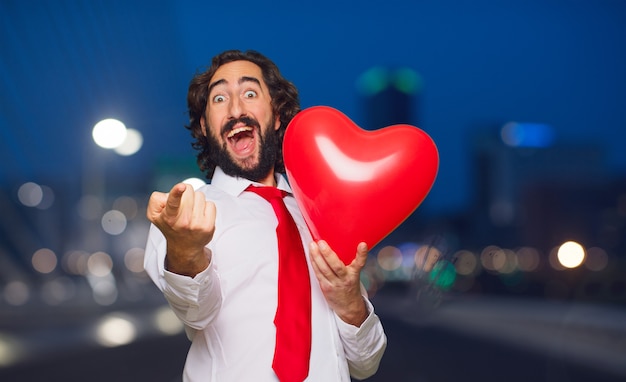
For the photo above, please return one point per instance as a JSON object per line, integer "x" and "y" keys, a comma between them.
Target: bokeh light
{"x": 597, "y": 259}
{"x": 30, "y": 194}
{"x": 426, "y": 257}
{"x": 75, "y": 262}
{"x": 104, "y": 289}
{"x": 99, "y": 264}
{"x": 466, "y": 263}
{"x": 166, "y": 321}
{"x": 373, "y": 81}
{"x": 109, "y": 133}
{"x": 44, "y": 260}
{"x": 522, "y": 134}
{"x": 114, "y": 222}
{"x": 407, "y": 81}
{"x": 47, "y": 199}
{"x": 131, "y": 144}
{"x": 16, "y": 293}
{"x": 115, "y": 330}
{"x": 133, "y": 259}
{"x": 443, "y": 274}
{"x": 510, "y": 262}
{"x": 527, "y": 259}
{"x": 492, "y": 258}
{"x": 389, "y": 258}
{"x": 553, "y": 259}
{"x": 571, "y": 254}
{"x": 378, "y": 78}
{"x": 101, "y": 279}
{"x": 11, "y": 350}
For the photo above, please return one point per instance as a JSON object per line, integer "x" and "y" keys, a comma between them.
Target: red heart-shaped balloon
{"x": 354, "y": 185}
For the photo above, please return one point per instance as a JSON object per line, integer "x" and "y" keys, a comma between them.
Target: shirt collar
{"x": 235, "y": 185}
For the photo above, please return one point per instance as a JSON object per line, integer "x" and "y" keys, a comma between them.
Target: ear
{"x": 203, "y": 125}
{"x": 277, "y": 123}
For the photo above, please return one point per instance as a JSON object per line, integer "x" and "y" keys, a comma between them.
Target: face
{"x": 239, "y": 123}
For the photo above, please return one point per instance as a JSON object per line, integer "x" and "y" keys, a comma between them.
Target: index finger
{"x": 330, "y": 259}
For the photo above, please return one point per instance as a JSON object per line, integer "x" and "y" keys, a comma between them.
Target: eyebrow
{"x": 240, "y": 81}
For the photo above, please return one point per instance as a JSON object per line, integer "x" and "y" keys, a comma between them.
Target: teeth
{"x": 238, "y": 130}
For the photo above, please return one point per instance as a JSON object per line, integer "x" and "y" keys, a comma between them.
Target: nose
{"x": 237, "y": 108}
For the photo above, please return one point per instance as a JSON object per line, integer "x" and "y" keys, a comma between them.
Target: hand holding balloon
{"x": 339, "y": 282}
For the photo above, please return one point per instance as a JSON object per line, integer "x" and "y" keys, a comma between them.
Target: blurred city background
{"x": 513, "y": 268}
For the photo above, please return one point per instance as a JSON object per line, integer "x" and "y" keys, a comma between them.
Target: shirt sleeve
{"x": 195, "y": 301}
{"x": 364, "y": 346}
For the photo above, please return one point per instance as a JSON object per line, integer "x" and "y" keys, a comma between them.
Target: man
{"x": 214, "y": 252}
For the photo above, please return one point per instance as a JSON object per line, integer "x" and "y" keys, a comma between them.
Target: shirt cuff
{"x": 184, "y": 292}
{"x": 185, "y": 282}
{"x": 363, "y": 346}
{"x": 353, "y": 331}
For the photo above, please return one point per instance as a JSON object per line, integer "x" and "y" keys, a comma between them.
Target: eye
{"x": 218, "y": 99}
{"x": 249, "y": 94}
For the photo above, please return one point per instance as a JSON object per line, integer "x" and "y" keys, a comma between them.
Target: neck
{"x": 269, "y": 180}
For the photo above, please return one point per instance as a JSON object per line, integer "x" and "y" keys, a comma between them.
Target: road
{"x": 458, "y": 339}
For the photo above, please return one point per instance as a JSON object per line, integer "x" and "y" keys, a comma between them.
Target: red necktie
{"x": 293, "y": 314}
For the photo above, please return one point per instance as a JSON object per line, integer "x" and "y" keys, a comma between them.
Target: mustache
{"x": 248, "y": 121}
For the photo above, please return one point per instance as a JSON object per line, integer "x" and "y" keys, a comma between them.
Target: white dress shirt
{"x": 228, "y": 309}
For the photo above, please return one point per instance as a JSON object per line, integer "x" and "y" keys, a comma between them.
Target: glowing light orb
{"x": 571, "y": 254}
{"x": 131, "y": 144}
{"x": 109, "y": 133}
{"x": 115, "y": 330}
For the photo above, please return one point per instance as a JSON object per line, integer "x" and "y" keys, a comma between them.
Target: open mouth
{"x": 241, "y": 139}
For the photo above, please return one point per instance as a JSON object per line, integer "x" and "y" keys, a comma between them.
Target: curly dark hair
{"x": 285, "y": 102}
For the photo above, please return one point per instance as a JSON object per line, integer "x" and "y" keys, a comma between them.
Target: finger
{"x": 334, "y": 266}
{"x": 318, "y": 262}
{"x": 156, "y": 203}
{"x": 361, "y": 256}
{"x": 174, "y": 199}
{"x": 316, "y": 268}
{"x": 314, "y": 252}
{"x": 209, "y": 210}
{"x": 199, "y": 206}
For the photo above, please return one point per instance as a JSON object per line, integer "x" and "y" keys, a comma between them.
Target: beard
{"x": 248, "y": 169}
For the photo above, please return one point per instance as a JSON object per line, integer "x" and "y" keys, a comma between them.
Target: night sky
{"x": 68, "y": 64}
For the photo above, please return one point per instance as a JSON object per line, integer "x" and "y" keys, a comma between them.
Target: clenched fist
{"x": 187, "y": 220}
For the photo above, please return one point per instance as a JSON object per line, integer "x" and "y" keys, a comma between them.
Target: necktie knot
{"x": 267, "y": 193}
